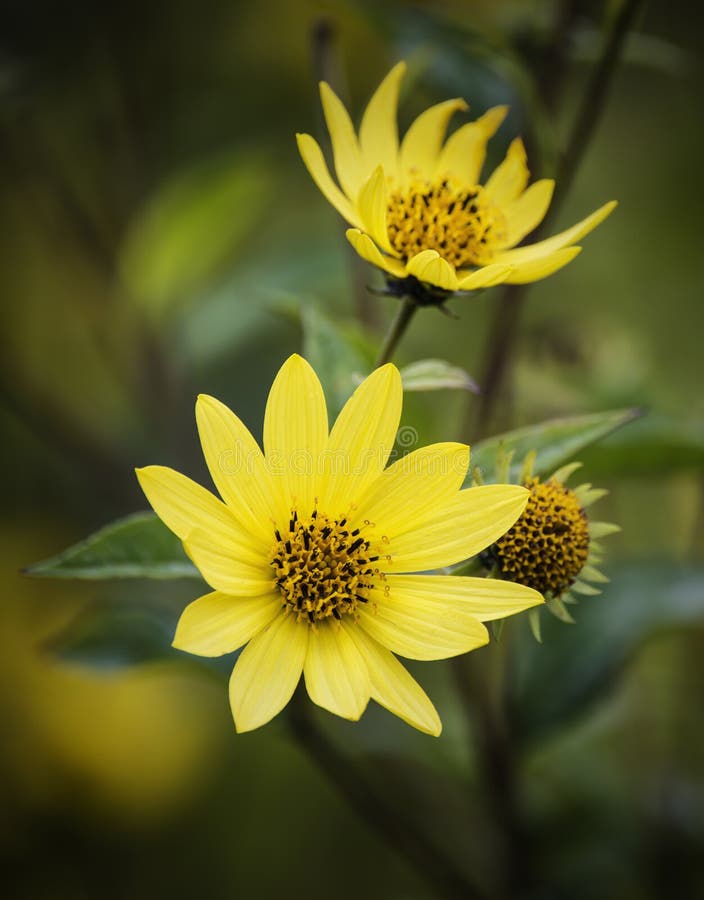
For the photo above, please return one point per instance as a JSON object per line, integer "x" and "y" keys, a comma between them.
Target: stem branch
{"x": 503, "y": 328}
{"x": 397, "y": 330}
{"x": 427, "y": 859}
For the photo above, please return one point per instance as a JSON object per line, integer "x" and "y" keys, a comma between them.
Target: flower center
{"x": 322, "y": 568}
{"x": 458, "y": 223}
{"x": 549, "y": 544}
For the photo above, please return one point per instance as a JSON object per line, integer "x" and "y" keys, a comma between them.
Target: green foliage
{"x": 138, "y": 546}
{"x": 436, "y": 375}
{"x": 559, "y": 680}
{"x": 190, "y": 228}
{"x": 339, "y": 356}
{"x": 554, "y": 441}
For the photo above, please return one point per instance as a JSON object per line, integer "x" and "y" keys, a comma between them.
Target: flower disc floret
{"x": 323, "y": 567}
{"x": 459, "y": 223}
{"x": 548, "y": 546}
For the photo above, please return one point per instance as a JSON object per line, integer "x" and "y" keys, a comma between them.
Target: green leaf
{"x": 338, "y": 356}
{"x": 555, "y": 441}
{"x": 654, "y": 446}
{"x": 190, "y": 228}
{"x": 436, "y": 375}
{"x": 138, "y": 546}
{"x": 558, "y": 681}
{"x": 116, "y": 634}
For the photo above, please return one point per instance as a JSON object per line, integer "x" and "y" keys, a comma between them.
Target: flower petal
{"x": 335, "y": 673}
{"x": 378, "y": 133}
{"x": 314, "y": 161}
{"x": 218, "y": 623}
{"x": 414, "y": 485}
{"x": 361, "y": 439}
{"x": 421, "y": 145}
{"x": 485, "y": 598}
{"x": 368, "y": 250}
{"x": 412, "y": 626}
{"x": 295, "y": 433}
{"x": 535, "y": 269}
{"x": 464, "y": 151}
{"x": 345, "y": 149}
{"x": 528, "y": 211}
{"x": 267, "y": 672}
{"x": 456, "y": 530}
{"x": 486, "y": 277}
{"x": 557, "y": 241}
{"x": 226, "y": 567}
{"x": 182, "y": 504}
{"x": 238, "y": 468}
{"x": 372, "y": 205}
{"x": 509, "y": 179}
{"x": 430, "y": 267}
{"x": 393, "y": 687}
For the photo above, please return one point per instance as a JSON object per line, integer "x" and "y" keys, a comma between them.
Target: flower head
{"x": 553, "y": 546}
{"x": 311, "y": 551}
{"x": 419, "y": 210}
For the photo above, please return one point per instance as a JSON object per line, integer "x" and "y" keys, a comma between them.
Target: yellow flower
{"x": 553, "y": 546}
{"x": 310, "y": 549}
{"x": 419, "y": 210}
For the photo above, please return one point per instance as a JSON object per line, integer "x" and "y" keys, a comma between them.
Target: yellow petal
{"x": 372, "y": 205}
{"x": 348, "y": 162}
{"x": 378, "y": 133}
{"x": 314, "y": 160}
{"x": 182, "y": 504}
{"x": 412, "y": 626}
{"x": 464, "y": 152}
{"x": 237, "y": 467}
{"x": 510, "y": 178}
{"x": 430, "y": 267}
{"x": 227, "y": 568}
{"x": 473, "y": 520}
{"x": 484, "y": 598}
{"x": 335, "y": 673}
{"x": 218, "y": 623}
{"x": 295, "y": 433}
{"x": 361, "y": 440}
{"x": 535, "y": 269}
{"x": 486, "y": 277}
{"x": 558, "y": 241}
{"x": 421, "y": 145}
{"x": 368, "y": 250}
{"x": 393, "y": 687}
{"x": 267, "y": 672}
{"x": 528, "y": 211}
{"x": 414, "y": 485}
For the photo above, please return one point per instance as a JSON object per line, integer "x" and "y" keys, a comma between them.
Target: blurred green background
{"x": 161, "y": 237}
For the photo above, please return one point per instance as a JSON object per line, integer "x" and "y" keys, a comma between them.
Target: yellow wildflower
{"x": 312, "y": 549}
{"x": 419, "y": 209}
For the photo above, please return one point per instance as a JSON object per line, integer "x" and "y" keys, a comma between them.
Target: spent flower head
{"x": 553, "y": 546}
{"x": 420, "y": 210}
{"x": 312, "y": 551}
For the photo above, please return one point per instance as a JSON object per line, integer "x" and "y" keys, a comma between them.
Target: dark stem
{"x": 479, "y": 678}
{"x": 503, "y": 328}
{"x": 428, "y": 860}
{"x": 396, "y": 330}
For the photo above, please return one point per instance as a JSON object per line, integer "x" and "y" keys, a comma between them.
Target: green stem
{"x": 397, "y": 330}
{"x": 422, "y": 854}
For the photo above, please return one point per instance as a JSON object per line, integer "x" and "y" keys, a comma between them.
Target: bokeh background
{"x": 160, "y": 237}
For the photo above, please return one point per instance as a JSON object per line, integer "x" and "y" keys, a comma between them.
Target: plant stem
{"x": 503, "y": 329}
{"x": 422, "y": 854}
{"x": 396, "y": 330}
